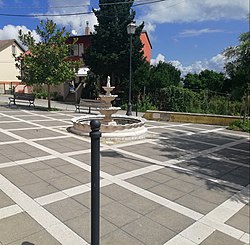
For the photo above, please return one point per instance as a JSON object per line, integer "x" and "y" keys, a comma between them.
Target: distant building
{"x": 82, "y": 42}
{"x": 8, "y": 70}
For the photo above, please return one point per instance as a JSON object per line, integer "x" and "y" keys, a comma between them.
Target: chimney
{"x": 87, "y": 29}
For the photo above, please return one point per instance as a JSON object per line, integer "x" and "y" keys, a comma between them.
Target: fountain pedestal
{"x": 108, "y": 98}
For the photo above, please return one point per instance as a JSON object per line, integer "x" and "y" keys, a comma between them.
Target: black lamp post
{"x": 131, "y": 30}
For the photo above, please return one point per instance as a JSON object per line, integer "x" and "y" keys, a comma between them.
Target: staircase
{"x": 70, "y": 99}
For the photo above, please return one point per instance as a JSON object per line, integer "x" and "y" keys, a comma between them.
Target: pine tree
{"x": 108, "y": 54}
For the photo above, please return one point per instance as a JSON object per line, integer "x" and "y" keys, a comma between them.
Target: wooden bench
{"x": 91, "y": 104}
{"x": 22, "y": 97}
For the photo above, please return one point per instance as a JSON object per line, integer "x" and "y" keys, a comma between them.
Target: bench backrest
{"x": 23, "y": 96}
{"x": 94, "y": 103}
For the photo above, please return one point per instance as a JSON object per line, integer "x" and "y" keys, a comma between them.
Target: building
{"x": 8, "y": 71}
{"x": 81, "y": 42}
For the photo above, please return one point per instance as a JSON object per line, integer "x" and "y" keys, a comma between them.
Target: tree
{"x": 192, "y": 81}
{"x": 108, "y": 54}
{"x": 237, "y": 65}
{"x": 163, "y": 75}
{"x": 46, "y": 62}
{"x": 212, "y": 80}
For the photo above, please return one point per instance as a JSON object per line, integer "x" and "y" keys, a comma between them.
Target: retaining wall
{"x": 190, "y": 117}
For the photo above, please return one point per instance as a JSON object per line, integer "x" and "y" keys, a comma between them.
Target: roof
{"x": 6, "y": 43}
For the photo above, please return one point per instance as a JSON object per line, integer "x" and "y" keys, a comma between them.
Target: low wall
{"x": 190, "y": 117}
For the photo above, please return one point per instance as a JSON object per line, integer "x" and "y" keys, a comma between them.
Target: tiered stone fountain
{"x": 114, "y": 127}
{"x": 108, "y": 98}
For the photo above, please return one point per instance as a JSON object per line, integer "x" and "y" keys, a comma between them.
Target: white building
{"x": 8, "y": 70}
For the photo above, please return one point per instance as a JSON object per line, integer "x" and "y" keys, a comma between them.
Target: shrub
{"x": 240, "y": 125}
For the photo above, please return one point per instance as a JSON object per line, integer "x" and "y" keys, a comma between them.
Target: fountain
{"x": 114, "y": 127}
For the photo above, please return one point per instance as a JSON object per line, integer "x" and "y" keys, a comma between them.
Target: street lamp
{"x": 131, "y": 30}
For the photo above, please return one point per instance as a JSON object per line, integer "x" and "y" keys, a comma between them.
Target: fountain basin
{"x": 124, "y": 128}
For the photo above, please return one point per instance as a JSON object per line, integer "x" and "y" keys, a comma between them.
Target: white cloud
{"x": 74, "y": 22}
{"x": 193, "y": 32}
{"x": 159, "y": 58}
{"x": 216, "y": 63}
{"x": 11, "y": 32}
{"x": 196, "y": 10}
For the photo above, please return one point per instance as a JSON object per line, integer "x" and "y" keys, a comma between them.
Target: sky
{"x": 191, "y": 34}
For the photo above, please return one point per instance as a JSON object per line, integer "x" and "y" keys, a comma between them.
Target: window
{"x": 81, "y": 49}
{"x": 13, "y": 49}
{"x": 75, "y": 50}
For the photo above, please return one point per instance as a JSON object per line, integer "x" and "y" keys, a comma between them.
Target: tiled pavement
{"x": 185, "y": 184}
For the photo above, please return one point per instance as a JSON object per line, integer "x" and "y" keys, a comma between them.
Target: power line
{"x": 84, "y": 13}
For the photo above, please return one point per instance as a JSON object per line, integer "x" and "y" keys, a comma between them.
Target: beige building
{"x": 8, "y": 70}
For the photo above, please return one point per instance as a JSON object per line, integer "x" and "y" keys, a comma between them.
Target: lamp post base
{"x": 129, "y": 112}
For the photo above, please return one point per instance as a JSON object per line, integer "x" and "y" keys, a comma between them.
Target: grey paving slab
{"x": 240, "y": 180}
{"x": 17, "y": 227}
{"x": 243, "y": 146}
{"x": 119, "y": 214}
{"x": 161, "y": 153}
{"x": 140, "y": 204}
{"x": 66, "y": 209}
{"x": 11, "y": 125}
{"x": 167, "y": 192}
{"x": 38, "y": 189}
{"x": 220, "y": 238}
{"x": 82, "y": 226}
{"x": 233, "y": 155}
{"x": 19, "y": 176}
{"x": 209, "y": 166}
{"x": 148, "y": 231}
{"x": 3, "y": 159}
{"x": 62, "y": 146}
{"x": 55, "y": 162}
{"x": 4, "y": 119}
{"x": 5, "y": 200}
{"x": 170, "y": 219}
{"x": 197, "y": 204}
{"x": 84, "y": 158}
{"x": 241, "y": 220}
{"x": 35, "y": 166}
{"x": 210, "y": 138}
{"x": 6, "y": 138}
{"x": 47, "y": 174}
{"x": 119, "y": 237}
{"x": 37, "y": 133}
{"x": 181, "y": 185}
{"x": 214, "y": 193}
{"x": 69, "y": 169}
{"x": 116, "y": 192}
{"x": 39, "y": 238}
{"x": 186, "y": 145}
{"x": 83, "y": 177}
{"x": 63, "y": 182}
{"x": 158, "y": 177}
{"x": 112, "y": 169}
{"x": 54, "y": 123}
{"x": 85, "y": 199}
{"x": 142, "y": 182}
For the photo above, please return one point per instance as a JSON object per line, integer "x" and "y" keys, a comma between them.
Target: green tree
{"x": 108, "y": 54}
{"x": 163, "y": 75}
{"x": 212, "y": 80}
{"x": 192, "y": 81}
{"x": 237, "y": 66}
{"x": 46, "y": 63}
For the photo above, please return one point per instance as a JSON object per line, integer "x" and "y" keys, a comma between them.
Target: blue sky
{"x": 189, "y": 33}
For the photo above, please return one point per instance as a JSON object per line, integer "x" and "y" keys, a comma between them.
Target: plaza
{"x": 184, "y": 184}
